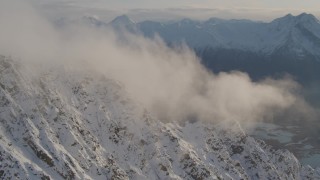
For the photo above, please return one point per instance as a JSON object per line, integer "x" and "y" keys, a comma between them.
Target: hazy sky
{"x": 198, "y": 9}
{"x": 309, "y": 5}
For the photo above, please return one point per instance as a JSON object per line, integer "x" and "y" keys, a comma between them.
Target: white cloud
{"x": 171, "y": 83}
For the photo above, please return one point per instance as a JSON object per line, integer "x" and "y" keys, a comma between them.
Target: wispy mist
{"x": 169, "y": 82}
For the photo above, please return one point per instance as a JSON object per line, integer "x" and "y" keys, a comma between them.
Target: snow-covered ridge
{"x": 60, "y": 123}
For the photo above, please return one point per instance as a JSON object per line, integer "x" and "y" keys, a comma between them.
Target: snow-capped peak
{"x": 304, "y": 17}
{"x": 122, "y": 20}
{"x": 289, "y": 19}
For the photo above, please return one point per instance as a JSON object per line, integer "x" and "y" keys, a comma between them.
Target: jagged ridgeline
{"x": 59, "y": 123}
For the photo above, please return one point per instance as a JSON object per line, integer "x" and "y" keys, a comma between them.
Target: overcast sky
{"x": 198, "y": 9}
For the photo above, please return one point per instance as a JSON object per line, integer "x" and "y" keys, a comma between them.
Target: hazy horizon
{"x": 140, "y": 10}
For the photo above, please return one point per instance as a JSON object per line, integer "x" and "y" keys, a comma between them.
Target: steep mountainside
{"x": 62, "y": 123}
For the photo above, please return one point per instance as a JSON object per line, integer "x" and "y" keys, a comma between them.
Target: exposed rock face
{"x": 67, "y": 124}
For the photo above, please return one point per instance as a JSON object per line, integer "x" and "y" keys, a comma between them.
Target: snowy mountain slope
{"x": 300, "y": 34}
{"x": 62, "y": 123}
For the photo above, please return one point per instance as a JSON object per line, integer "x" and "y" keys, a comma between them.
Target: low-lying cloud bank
{"x": 171, "y": 83}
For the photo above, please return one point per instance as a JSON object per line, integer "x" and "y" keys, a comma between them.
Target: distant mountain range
{"x": 286, "y": 45}
{"x": 299, "y": 35}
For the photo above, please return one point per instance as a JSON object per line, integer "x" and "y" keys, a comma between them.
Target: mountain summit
{"x": 122, "y": 20}
{"x": 307, "y": 17}
{"x": 301, "y": 18}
